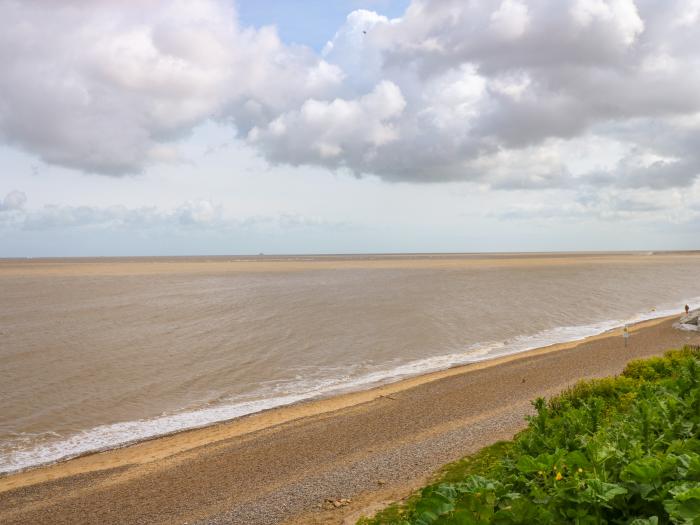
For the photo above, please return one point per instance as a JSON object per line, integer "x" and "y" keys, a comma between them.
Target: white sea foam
{"x": 18, "y": 456}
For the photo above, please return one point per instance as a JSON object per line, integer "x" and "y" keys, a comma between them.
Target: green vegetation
{"x": 623, "y": 450}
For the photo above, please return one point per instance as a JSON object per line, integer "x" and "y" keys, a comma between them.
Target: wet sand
{"x": 282, "y": 465}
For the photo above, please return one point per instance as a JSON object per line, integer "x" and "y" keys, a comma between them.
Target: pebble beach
{"x": 325, "y": 461}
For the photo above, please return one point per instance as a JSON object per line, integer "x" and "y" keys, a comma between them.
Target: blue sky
{"x": 310, "y": 22}
{"x": 219, "y": 127}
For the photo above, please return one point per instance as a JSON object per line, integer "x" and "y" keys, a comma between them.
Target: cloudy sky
{"x": 158, "y": 127}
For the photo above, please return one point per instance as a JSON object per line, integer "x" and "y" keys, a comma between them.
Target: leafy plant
{"x": 622, "y": 450}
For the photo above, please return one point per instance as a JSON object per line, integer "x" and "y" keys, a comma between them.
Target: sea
{"x": 100, "y": 353}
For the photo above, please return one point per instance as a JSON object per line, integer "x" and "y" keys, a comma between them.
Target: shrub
{"x": 622, "y": 450}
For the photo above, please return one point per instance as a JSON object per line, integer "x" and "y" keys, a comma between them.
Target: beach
{"x": 269, "y": 265}
{"x": 266, "y": 265}
{"x": 288, "y": 464}
{"x": 104, "y": 352}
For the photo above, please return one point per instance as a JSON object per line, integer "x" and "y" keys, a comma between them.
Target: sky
{"x": 185, "y": 127}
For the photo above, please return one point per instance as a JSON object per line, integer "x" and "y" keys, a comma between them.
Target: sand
{"x": 38, "y": 268}
{"x": 282, "y": 465}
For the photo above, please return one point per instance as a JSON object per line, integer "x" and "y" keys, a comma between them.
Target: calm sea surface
{"x": 96, "y": 353}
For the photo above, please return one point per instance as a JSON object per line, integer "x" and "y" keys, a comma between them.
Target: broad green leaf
{"x": 684, "y": 508}
{"x": 528, "y": 464}
{"x": 602, "y": 492}
{"x": 645, "y": 470}
{"x": 576, "y": 459}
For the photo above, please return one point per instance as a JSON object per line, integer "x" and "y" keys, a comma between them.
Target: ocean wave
{"x": 16, "y": 455}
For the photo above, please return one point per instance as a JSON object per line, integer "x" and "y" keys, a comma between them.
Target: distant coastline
{"x": 345, "y": 256}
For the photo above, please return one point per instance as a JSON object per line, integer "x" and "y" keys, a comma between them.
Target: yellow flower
{"x": 540, "y": 473}
{"x": 580, "y": 470}
{"x": 559, "y": 476}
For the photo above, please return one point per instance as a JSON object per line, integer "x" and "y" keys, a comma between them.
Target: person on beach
{"x": 625, "y": 334}
{"x": 687, "y": 309}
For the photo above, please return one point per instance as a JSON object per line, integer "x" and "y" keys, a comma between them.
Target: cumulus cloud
{"x": 484, "y": 91}
{"x": 192, "y": 216}
{"x": 641, "y": 205}
{"x": 113, "y": 92}
{"x": 201, "y": 214}
{"x": 332, "y": 132}
{"x": 198, "y": 213}
{"x": 15, "y": 200}
{"x": 490, "y": 87}
{"x": 510, "y": 20}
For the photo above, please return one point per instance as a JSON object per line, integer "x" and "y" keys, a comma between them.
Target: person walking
{"x": 625, "y": 334}
{"x": 687, "y": 309}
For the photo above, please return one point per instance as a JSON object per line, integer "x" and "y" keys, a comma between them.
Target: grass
{"x": 622, "y": 450}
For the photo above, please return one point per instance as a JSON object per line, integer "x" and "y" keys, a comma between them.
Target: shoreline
{"x": 286, "y": 465}
{"x": 165, "y": 445}
{"x": 520, "y": 345}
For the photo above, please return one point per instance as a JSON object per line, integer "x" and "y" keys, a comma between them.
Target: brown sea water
{"x": 99, "y": 352}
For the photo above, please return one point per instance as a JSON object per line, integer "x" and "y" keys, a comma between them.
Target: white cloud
{"x": 633, "y": 207}
{"x": 510, "y": 20}
{"x": 452, "y": 90}
{"x": 191, "y": 216}
{"x": 621, "y": 15}
{"x": 128, "y": 78}
{"x": 327, "y": 132}
{"x": 198, "y": 212}
{"x": 15, "y": 200}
